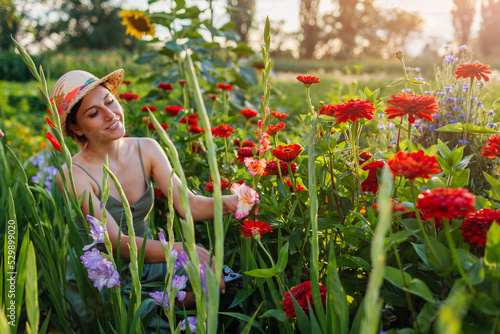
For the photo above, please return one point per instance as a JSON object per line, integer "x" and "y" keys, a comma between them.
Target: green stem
{"x": 469, "y": 102}
{"x": 409, "y": 136}
{"x": 451, "y": 245}
{"x": 227, "y": 159}
{"x": 334, "y": 190}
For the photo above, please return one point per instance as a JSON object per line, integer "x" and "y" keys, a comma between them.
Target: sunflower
{"x": 138, "y": 24}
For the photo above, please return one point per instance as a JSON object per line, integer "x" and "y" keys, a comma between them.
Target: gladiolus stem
{"x": 334, "y": 190}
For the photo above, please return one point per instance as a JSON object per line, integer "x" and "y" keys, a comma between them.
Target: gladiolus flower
{"x": 160, "y": 299}
{"x": 101, "y": 271}
{"x": 54, "y": 141}
{"x": 288, "y": 152}
{"x": 272, "y": 130}
{"x": 353, "y": 110}
{"x": 371, "y": 182}
{"x": 493, "y": 148}
{"x": 421, "y": 106}
{"x": 1, "y": 133}
{"x": 49, "y": 122}
{"x": 222, "y": 131}
{"x": 473, "y": 70}
{"x": 255, "y": 167}
{"x": 290, "y": 185}
{"x": 264, "y": 143}
{"x": 166, "y": 86}
{"x": 174, "y": 111}
{"x": 272, "y": 168}
{"x": 249, "y": 113}
{"x": 413, "y": 165}
{"x": 249, "y": 228}
{"x": 191, "y": 323}
{"x": 247, "y": 197}
{"x": 303, "y": 295}
{"x": 475, "y": 226}
{"x": 96, "y": 231}
{"x": 128, "y": 97}
{"x": 222, "y": 86}
{"x": 151, "y": 126}
{"x": 308, "y": 80}
{"x": 279, "y": 115}
{"x": 148, "y": 108}
{"x": 445, "y": 203}
{"x": 210, "y": 186}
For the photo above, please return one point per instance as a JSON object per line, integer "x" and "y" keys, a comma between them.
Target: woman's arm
{"x": 202, "y": 207}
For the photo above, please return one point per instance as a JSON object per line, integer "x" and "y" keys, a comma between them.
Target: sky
{"x": 435, "y": 13}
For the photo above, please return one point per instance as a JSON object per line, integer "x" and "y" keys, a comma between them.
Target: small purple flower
{"x": 453, "y": 121}
{"x": 447, "y": 46}
{"x": 465, "y": 88}
{"x": 450, "y": 59}
{"x": 436, "y": 116}
{"x": 101, "y": 271}
{"x": 474, "y": 99}
{"x": 448, "y": 89}
{"x": 456, "y": 108}
{"x": 432, "y": 127}
{"x": 191, "y": 323}
{"x": 460, "y": 99}
{"x": 381, "y": 127}
{"x": 462, "y": 116}
{"x": 96, "y": 231}
{"x": 161, "y": 299}
{"x": 420, "y": 79}
{"x": 461, "y": 142}
{"x": 381, "y": 114}
{"x": 408, "y": 90}
{"x": 392, "y": 143}
{"x": 441, "y": 93}
{"x": 418, "y": 125}
{"x": 493, "y": 125}
{"x": 491, "y": 112}
{"x": 462, "y": 47}
{"x": 428, "y": 92}
{"x": 479, "y": 104}
{"x": 390, "y": 126}
{"x": 417, "y": 69}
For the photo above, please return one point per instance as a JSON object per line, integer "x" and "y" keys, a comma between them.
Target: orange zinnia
{"x": 279, "y": 115}
{"x": 308, "y": 80}
{"x": 421, "y": 106}
{"x": 473, "y": 70}
{"x": 288, "y": 152}
{"x": 274, "y": 129}
{"x": 413, "y": 165}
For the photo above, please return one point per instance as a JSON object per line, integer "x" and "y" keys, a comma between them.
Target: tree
{"x": 309, "y": 27}
{"x": 242, "y": 13}
{"x": 489, "y": 35}
{"x": 10, "y": 23}
{"x": 463, "y": 14}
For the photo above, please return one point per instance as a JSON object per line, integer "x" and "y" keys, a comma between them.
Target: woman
{"x": 92, "y": 116}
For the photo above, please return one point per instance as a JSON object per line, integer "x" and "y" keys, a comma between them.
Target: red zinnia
{"x": 287, "y": 152}
{"x": 473, "y": 70}
{"x": 413, "y": 165}
{"x": 128, "y": 97}
{"x": 147, "y": 108}
{"x": 174, "y": 111}
{"x": 244, "y": 152}
{"x": 279, "y": 115}
{"x": 54, "y": 141}
{"x": 189, "y": 120}
{"x": 290, "y": 185}
{"x": 210, "y": 186}
{"x": 249, "y": 228}
{"x": 371, "y": 182}
{"x": 396, "y": 206}
{"x": 159, "y": 194}
{"x": 222, "y": 86}
{"x": 327, "y": 109}
{"x": 421, "y": 106}
{"x": 353, "y": 110}
{"x": 475, "y": 226}
{"x": 272, "y": 168}
{"x": 152, "y": 126}
{"x": 274, "y": 129}
{"x": 195, "y": 147}
{"x": 364, "y": 157}
{"x": 249, "y": 113}
{"x": 222, "y": 130}
{"x": 195, "y": 129}
{"x": 165, "y": 86}
{"x": 247, "y": 143}
{"x": 303, "y": 295}
{"x": 445, "y": 203}
{"x": 308, "y": 80}
{"x": 213, "y": 97}
{"x": 182, "y": 82}
{"x": 126, "y": 82}
{"x": 493, "y": 148}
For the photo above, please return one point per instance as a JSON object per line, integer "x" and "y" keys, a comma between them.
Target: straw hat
{"x": 74, "y": 85}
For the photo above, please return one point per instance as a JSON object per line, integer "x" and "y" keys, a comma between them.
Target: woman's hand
{"x": 204, "y": 257}
{"x": 229, "y": 203}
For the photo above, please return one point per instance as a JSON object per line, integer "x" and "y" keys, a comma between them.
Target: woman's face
{"x": 100, "y": 117}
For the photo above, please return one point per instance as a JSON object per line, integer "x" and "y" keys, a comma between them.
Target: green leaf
{"x": 477, "y": 129}
{"x": 32, "y": 288}
{"x": 263, "y": 273}
{"x": 242, "y": 295}
{"x": 425, "y": 318}
{"x": 461, "y": 179}
{"x": 443, "y": 264}
{"x": 245, "y": 318}
{"x": 282, "y": 258}
{"x": 416, "y": 82}
{"x": 396, "y": 82}
{"x": 492, "y": 251}
{"x": 279, "y": 315}
{"x": 455, "y": 127}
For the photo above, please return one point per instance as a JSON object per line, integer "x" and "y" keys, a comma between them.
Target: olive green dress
{"x": 151, "y": 273}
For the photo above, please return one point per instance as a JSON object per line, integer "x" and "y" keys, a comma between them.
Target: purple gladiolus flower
{"x": 96, "y": 231}
{"x": 191, "y": 322}
{"x": 203, "y": 277}
{"x": 101, "y": 271}
{"x": 183, "y": 258}
{"x": 161, "y": 237}
{"x": 161, "y": 299}
{"x": 180, "y": 283}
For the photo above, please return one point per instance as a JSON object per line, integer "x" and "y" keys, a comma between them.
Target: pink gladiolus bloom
{"x": 247, "y": 197}
{"x": 264, "y": 143}
{"x": 255, "y": 167}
